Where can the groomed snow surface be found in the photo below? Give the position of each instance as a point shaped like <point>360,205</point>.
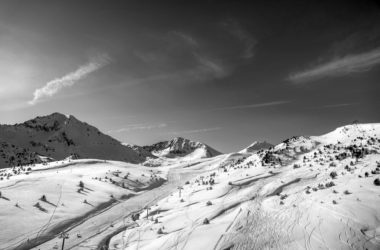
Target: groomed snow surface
<point>306,193</point>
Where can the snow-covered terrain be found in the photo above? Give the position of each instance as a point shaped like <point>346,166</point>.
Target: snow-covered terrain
<point>318,192</point>
<point>36,200</point>
<point>306,193</point>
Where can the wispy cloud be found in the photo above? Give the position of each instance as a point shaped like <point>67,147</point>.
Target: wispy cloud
<point>339,66</point>
<point>338,105</point>
<point>195,131</point>
<point>256,105</point>
<point>53,87</point>
<point>208,67</point>
<point>245,37</point>
<point>204,69</point>
<point>182,59</point>
<point>188,39</point>
<point>143,126</point>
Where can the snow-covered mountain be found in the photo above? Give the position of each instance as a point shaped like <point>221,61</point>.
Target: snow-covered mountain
<point>58,136</point>
<point>256,146</point>
<point>181,147</point>
<point>308,192</point>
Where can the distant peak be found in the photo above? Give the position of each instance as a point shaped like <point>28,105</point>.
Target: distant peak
<point>258,142</point>
<point>256,145</point>
<point>55,116</point>
<point>59,114</point>
<point>178,138</point>
<point>180,146</point>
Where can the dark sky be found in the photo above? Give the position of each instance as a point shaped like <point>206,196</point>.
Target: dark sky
<point>222,72</point>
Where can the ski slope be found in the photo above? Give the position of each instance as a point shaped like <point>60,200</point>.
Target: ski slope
<point>312,192</point>
<point>291,205</point>
<point>105,183</point>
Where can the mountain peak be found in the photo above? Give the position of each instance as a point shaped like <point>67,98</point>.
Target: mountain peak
<point>55,115</point>
<point>58,136</point>
<point>181,147</point>
<point>256,146</point>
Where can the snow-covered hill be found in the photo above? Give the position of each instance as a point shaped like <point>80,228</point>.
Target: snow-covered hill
<point>36,200</point>
<point>256,146</point>
<point>308,192</point>
<point>181,147</point>
<point>319,192</point>
<point>59,136</point>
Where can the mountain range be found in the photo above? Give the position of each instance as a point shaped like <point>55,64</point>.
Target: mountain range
<point>58,136</point>
<point>307,192</point>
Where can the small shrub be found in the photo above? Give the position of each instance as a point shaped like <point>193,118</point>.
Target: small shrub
<point>206,221</point>
<point>283,197</point>
<point>159,231</point>
<point>376,182</point>
<point>334,202</point>
<point>333,174</point>
<point>209,203</point>
<point>347,192</point>
<point>366,174</point>
<point>81,184</point>
<point>330,184</point>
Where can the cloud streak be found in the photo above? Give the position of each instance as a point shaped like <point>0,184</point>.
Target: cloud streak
<point>188,39</point>
<point>53,87</point>
<point>256,105</point>
<point>195,131</point>
<point>338,105</point>
<point>246,38</point>
<point>133,127</point>
<point>339,67</point>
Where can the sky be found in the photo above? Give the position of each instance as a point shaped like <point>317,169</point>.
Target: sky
<point>226,73</point>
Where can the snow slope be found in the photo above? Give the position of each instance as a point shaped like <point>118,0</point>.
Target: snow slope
<point>306,193</point>
<point>314,192</point>
<point>24,214</point>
